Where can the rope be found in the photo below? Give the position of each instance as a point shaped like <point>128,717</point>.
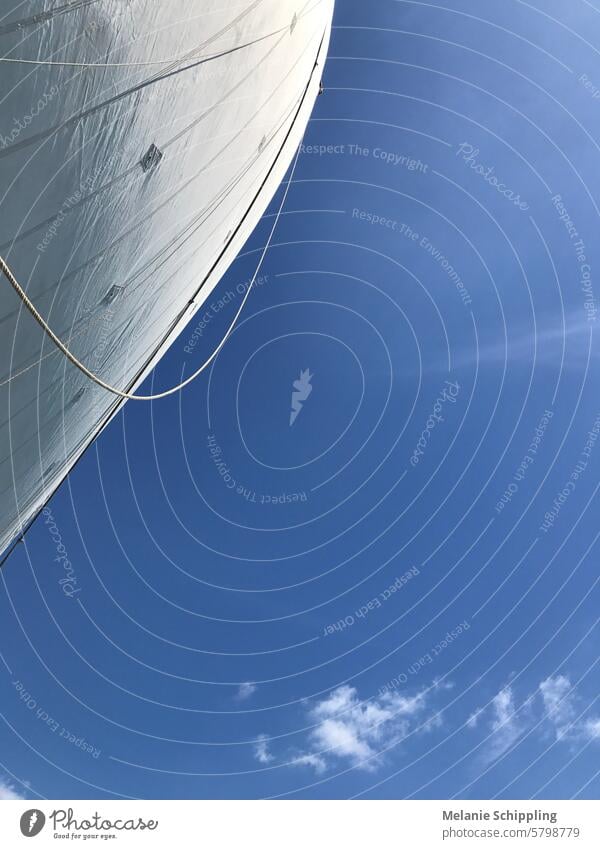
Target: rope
<point>5,269</point>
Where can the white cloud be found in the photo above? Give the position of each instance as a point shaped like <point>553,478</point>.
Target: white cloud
<point>438,684</point>
<point>261,750</point>
<point>473,720</point>
<point>245,691</point>
<point>559,704</point>
<point>354,731</point>
<point>8,792</point>
<point>318,763</point>
<point>561,708</point>
<point>351,732</point>
<point>432,722</point>
<point>592,728</point>
<point>504,727</point>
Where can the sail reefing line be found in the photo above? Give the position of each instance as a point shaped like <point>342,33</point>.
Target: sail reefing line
<point>8,274</point>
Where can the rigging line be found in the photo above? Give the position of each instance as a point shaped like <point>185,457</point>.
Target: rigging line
<point>91,315</point>
<point>5,269</point>
<point>9,379</point>
<point>127,395</point>
<point>175,322</point>
<point>200,218</point>
<point>208,211</point>
<point>108,417</point>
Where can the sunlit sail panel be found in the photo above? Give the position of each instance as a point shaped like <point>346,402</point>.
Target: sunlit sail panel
<point>140,143</point>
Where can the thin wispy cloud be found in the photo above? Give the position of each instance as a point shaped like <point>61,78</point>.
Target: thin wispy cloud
<point>505,725</point>
<point>245,691</point>
<point>546,341</point>
<point>261,750</point>
<point>502,722</point>
<point>318,763</point>
<point>473,720</point>
<point>559,704</point>
<point>554,707</point>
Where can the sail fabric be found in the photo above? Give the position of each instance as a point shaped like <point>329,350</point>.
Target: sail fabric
<point>140,143</point>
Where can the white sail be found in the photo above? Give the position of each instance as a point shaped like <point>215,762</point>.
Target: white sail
<point>140,143</point>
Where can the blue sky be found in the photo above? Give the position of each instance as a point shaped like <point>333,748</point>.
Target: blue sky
<point>395,596</point>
